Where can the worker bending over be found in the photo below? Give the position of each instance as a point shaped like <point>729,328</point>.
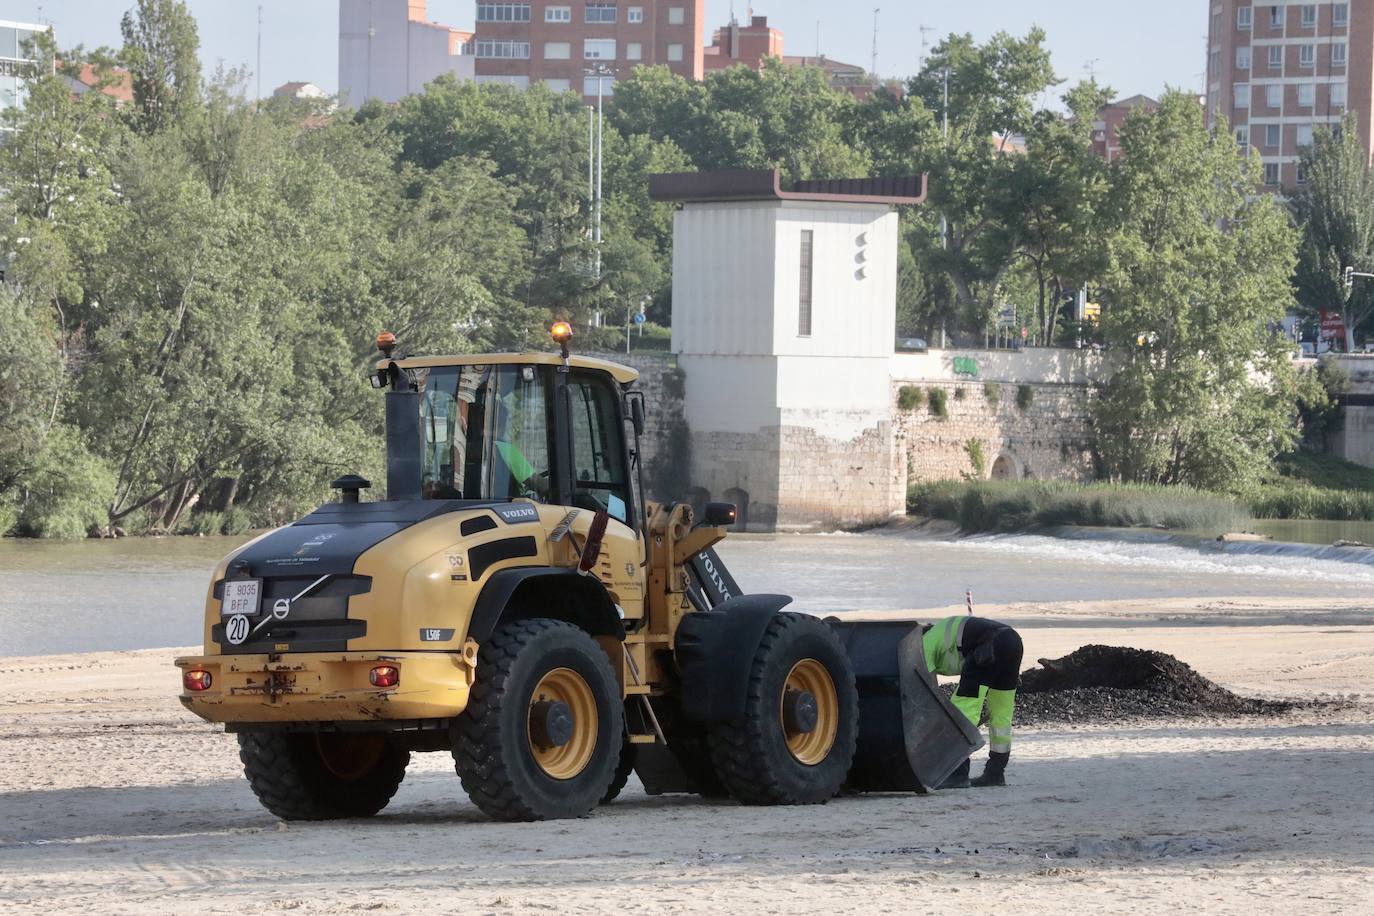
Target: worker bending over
<point>986,655</point>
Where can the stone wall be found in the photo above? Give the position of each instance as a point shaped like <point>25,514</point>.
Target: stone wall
<point>666,441</point>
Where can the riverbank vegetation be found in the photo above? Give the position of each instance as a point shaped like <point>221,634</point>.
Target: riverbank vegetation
<point>193,279</point>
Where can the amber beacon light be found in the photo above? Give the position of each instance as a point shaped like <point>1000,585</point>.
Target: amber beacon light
<point>562,335</point>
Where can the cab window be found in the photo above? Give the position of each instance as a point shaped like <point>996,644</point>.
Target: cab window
<point>600,480</point>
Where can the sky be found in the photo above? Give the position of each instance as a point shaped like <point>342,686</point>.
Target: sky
<point>1132,48</point>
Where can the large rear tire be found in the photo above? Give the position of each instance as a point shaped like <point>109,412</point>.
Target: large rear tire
<point>795,743</point>
<point>542,732</point>
<point>325,776</point>
<point>625,765</point>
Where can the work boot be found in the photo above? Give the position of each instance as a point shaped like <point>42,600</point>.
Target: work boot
<point>994,774</point>
<point>956,780</point>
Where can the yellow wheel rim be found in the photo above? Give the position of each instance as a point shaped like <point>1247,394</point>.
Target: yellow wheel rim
<point>564,761</point>
<point>810,676</point>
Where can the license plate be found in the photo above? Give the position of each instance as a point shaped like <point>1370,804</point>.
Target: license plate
<point>240,597</point>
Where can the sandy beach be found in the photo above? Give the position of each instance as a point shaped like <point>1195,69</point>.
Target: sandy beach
<point>115,800</point>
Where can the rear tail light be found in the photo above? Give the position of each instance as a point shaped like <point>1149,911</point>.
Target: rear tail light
<point>384,676</point>
<point>196,679</point>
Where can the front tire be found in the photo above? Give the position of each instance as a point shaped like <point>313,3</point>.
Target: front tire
<point>795,743</point>
<point>542,732</point>
<point>324,776</point>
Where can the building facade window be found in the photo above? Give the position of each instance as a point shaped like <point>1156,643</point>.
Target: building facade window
<point>1301,173</point>
<point>1304,135</point>
<point>519,82</point>
<point>503,12</point>
<point>558,85</point>
<point>1242,136</point>
<point>599,49</point>
<point>1273,136</point>
<point>1271,174</point>
<point>675,52</point>
<point>502,48</point>
<point>676,15</point>
<point>1241,93</point>
<point>1307,56</point>
<point>1337,94</point>
<point>1243,19</point>
<point>1307,95</point>
<point>1276,57</point>
<point>1309,15</point>
<point>634,51</point>
<point>1340,14</point>
<point>1243,58</point>
<point>557,50</point>
<point>1275,17</point>
<point>558,14</point>
<point>606,83</point>
<point>1273,96</point>
<point>600,12</point>
<point>804,285</point>
<point>634,14</point>
<point>1338,54</point>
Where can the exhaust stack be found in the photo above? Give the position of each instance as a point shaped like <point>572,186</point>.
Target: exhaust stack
<point>404,441</point>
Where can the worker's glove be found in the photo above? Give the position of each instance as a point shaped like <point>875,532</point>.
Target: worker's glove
<point>983,656</point>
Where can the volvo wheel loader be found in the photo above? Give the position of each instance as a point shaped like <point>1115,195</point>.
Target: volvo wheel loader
<point>515,601</point>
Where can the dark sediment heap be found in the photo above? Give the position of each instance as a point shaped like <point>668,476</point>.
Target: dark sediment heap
<point>1111,683</point>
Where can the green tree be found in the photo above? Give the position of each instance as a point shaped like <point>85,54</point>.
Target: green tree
<point>1200,273</point>
<point>161,51</point>
<point>1335,210</point>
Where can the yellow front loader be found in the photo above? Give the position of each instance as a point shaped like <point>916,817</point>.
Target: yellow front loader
<point>516,602</point>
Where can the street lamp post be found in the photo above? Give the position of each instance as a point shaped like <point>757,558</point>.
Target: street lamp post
<point>600,71</point>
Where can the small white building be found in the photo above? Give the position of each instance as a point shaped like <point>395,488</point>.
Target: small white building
<point>784,306</point>
<point>388,50</point>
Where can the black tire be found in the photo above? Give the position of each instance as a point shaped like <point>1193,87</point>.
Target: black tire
<point>493,749</point>
<point>319,777</point>
<point>623,768</point>
<point>752,756</point>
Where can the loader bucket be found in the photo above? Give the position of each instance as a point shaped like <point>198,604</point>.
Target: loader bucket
<point>910,736</point>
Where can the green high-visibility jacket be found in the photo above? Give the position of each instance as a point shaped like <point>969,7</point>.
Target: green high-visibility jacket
<point>941,644</point>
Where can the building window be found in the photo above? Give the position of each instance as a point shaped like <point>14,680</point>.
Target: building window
<point>676,15</point>
<point>519,82</point>
<point>1275,17</point>
<point>1271,174</point>
<point>634,14</point>
<point>558,14</point>
<point>1276,57</point>
<point>1302,173</point>
<point>674,52</point>
<point>494,47</point>
<point>804,287</point>
<point>1273,96</point>
<point>1309,15</point>
<point>559,85</point>
<point>557,50</point>
<point>1307,56</point>
<point>599,49</point>
<point>1214,62</point>
<point>1337,91</point>
<point>503,12</point>
<point>1304,135</point>
<point>1243,18</point>
<point>600,12</point>
<point>1243,58</point>
<point>1338,54</point>
<point>634,51</point>
<point>1307,95</point>
<point>1241,91</point>
<point>1340,14</point>
<point>1273,136</point>
<point>607,84</point>
<point>1242,136</point>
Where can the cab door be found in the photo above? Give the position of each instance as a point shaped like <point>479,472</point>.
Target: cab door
<point>601,482</point>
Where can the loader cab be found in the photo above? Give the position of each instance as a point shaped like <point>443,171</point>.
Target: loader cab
<point>509,426</point>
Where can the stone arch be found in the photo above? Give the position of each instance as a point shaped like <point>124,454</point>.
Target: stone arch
<point>741,500</point>
<point>1005,468</point>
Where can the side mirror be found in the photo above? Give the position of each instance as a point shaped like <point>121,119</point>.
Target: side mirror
<point>635,401</point>
<point>719,515</point>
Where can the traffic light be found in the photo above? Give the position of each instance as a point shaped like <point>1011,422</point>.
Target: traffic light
<point>1349,278</point>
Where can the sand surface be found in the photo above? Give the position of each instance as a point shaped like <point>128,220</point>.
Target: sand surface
<point>115,800</point>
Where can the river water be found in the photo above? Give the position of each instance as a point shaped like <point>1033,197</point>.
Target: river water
<point>149,592</point>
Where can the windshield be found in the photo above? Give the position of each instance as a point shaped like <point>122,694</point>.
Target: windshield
<point>486,432</point>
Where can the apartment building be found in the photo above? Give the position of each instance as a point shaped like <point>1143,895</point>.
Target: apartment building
<point>748,44</point>
<point>1278,71</point>
<point>388,49</point>
<point>556,43</point>
<point>13,35</point>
